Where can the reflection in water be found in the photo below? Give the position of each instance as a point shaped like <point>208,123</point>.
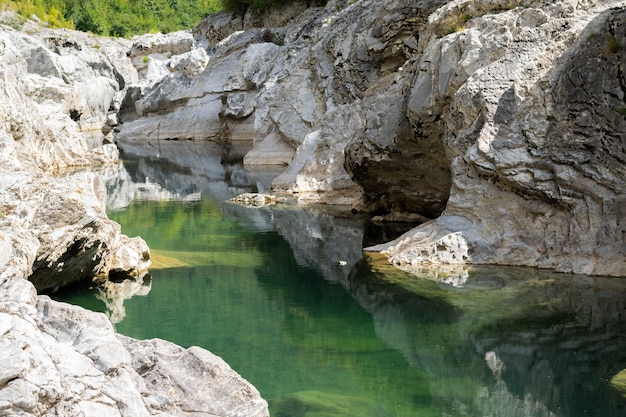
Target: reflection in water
<point>285,296</point>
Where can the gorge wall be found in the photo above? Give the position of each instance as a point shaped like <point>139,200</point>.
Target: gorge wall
<point>501,121</point>
<point>57,90</point>
<point>501,124</point>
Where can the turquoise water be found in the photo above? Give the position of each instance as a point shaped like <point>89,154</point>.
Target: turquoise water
<point>286,297</point>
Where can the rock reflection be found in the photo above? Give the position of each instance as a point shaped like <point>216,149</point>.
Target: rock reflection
<point>113,295</point>
<point>544,344</point>
<point>324,239</point>
<point>492,341</point>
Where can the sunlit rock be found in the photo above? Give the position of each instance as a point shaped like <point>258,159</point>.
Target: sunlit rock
<point>256,199</point>
<point>619,382</point>
<point>472,110</point>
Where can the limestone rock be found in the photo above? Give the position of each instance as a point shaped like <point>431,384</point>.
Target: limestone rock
<point>535,172</point>
<point>474,113</point>
<point>65,360</point>
<point>256,199</point>
<point>60,359</point>
<point>191,381</point>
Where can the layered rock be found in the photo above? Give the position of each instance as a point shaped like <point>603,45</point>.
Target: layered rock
<point>536,138</point>
<point>59,359</point>
<point>42,138</point>
<point>481,114</point>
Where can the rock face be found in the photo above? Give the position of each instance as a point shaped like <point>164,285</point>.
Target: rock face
<point>537,141</point>
<point>503,121</point>
<point>62,360</point>
<point>52,93</point>
<point>59,359</point>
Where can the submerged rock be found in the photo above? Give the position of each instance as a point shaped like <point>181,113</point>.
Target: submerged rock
<point>619,382</point>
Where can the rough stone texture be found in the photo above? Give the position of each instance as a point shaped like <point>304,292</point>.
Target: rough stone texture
<point>57,359</point>
<point>41,140</point>
<point>501,120</point>
<point>537,139</point>
<point>63,360</point>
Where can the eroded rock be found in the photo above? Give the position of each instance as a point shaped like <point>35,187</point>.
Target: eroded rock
<point>60,359</point>
<point>479,111</point>
<point>535,173</point>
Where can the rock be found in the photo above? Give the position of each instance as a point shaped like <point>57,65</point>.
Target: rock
<point>473,113</point>
<point>191,381</point>
<point>619,382</point>
<point>257,200</point>
<point>61,359</point>
<point>65,360</point>
<point>532,184</point>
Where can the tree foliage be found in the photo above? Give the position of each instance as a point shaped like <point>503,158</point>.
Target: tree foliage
<point>126,18</point>
<point>117,17</point>
<point>259,6</point>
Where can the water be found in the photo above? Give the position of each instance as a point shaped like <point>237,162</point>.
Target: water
<point>285,296</point>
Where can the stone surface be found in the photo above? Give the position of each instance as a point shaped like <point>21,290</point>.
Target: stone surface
<point>537,145</point>
<point>57,359</point>
<point>479,114</point>
<point>65,360</point>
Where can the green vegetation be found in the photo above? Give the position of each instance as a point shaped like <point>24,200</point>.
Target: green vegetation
<point>259,6</point>
<point>117,17</point>
<point>612,45</point>
<point>126,18</point>
<point>459,24</point>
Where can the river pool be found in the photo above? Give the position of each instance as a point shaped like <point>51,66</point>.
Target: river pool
<point>286,296</point>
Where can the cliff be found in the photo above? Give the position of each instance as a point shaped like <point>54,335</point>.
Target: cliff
<point>57,89</point>
<point>500,121</point>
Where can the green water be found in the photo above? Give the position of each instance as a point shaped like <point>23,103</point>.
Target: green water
<point>265,290</point>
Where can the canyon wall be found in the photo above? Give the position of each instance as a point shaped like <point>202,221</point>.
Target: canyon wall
<point>58,90</point>
<point>501,122</point>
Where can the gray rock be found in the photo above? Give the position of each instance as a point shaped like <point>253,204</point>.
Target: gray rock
<point>534,174</point>
<point>60,359</point>
<point>473,113</point>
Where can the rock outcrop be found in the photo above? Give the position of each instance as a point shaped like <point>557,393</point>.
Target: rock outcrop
<point>503,121</point>
<point>536,138</point>
<point>52,95</point>
<point>56,87</point>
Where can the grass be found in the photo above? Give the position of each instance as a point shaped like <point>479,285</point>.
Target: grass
<point>612,45</point>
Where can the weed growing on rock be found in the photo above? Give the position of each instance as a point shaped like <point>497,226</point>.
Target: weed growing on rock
<point>612,45</point>
<point>274,37</point>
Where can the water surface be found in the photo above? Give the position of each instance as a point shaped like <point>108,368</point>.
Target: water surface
<point>286,297</point>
